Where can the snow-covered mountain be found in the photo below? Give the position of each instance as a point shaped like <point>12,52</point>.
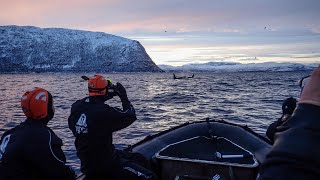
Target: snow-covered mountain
<point>238,67</point>
<point>26,48</point>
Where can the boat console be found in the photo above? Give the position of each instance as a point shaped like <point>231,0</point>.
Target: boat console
<point>206,158</point>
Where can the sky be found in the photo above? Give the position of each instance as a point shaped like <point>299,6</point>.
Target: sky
<point>178,32</point>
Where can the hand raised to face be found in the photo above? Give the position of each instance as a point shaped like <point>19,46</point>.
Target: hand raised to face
<point>311,91</point>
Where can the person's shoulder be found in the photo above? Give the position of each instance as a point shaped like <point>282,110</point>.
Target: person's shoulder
<point>80,102</point>
<point>99,108</point>
<point>54,136</point>
<point>31,132</point>
<point>37,128</point>
<point>6,133</point>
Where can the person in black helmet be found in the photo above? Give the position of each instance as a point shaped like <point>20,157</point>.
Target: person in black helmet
<point>93,122</point>
<point>288,107</point>
<point>31,150</point>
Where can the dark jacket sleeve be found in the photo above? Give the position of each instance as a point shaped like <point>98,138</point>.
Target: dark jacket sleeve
<point>2,137</point>
<point>272,129</point>
<point>47,154</point>
<point>295,154</point>
<point>123,118</point>
<point>6,133</point>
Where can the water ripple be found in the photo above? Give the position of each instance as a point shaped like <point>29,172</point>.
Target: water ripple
<point>161,102</point>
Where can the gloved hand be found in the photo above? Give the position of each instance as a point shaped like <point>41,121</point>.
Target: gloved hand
<point>121,91</point>
<point>311,92</point>
<point>111,91</point>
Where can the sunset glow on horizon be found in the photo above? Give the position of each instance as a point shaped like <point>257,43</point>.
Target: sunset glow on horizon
<point>178,32</point>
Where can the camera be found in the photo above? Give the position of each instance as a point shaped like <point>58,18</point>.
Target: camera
<point>111,90</point>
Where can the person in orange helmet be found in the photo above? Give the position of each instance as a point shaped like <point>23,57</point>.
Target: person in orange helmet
<point>31,150</point>
<point>92,122</point>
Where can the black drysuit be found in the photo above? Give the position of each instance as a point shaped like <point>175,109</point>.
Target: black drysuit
<point>92,123</point>
<point>32,150</point>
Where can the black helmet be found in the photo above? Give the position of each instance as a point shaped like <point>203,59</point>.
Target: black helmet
<point>289,105</point>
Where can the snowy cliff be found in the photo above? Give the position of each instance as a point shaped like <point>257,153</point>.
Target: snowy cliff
<point>27,49</point>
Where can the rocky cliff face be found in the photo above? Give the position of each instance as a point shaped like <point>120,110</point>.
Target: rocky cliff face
<point>25,49</point>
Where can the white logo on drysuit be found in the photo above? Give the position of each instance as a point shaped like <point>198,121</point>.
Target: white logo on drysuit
<point>81,125</point>
<point>216,177</point>
<point>4,144</point>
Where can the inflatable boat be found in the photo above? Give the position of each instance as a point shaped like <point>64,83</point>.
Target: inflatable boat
<point>204,150</point>
<point>207,149</point>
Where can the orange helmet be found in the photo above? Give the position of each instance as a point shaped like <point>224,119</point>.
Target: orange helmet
<point>97,86</point>
<point>37,104</point>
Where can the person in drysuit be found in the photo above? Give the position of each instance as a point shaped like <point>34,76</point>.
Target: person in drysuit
<point>31,150</point>
<point>92,122</point>
<point>288,106</point>
<point>295,153</point>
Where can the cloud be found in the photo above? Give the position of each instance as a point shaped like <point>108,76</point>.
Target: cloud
<point>50,13</point>
<point>182,30</point>
<point>153,15</point>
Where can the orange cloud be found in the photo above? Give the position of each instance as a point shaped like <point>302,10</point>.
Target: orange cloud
<point>153,24</point>
<point>36,12</point>
<point>175,16</point>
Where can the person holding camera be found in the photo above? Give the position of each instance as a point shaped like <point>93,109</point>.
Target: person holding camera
<point>295,152</point>
<point>288,107</point>
<point>92,122</point>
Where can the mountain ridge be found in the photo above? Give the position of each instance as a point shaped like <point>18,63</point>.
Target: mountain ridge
<point>33,49</point>
<point>238,67</point>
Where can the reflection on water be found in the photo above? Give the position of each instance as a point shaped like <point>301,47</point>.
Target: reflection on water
<point>161,102</point>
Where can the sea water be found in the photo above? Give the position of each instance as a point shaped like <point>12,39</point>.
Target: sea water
<point>161,102</point>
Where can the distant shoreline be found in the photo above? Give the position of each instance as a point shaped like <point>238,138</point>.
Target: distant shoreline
<point>169,72</point>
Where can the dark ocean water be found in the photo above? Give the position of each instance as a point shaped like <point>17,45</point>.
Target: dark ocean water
<point>252,98</point>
